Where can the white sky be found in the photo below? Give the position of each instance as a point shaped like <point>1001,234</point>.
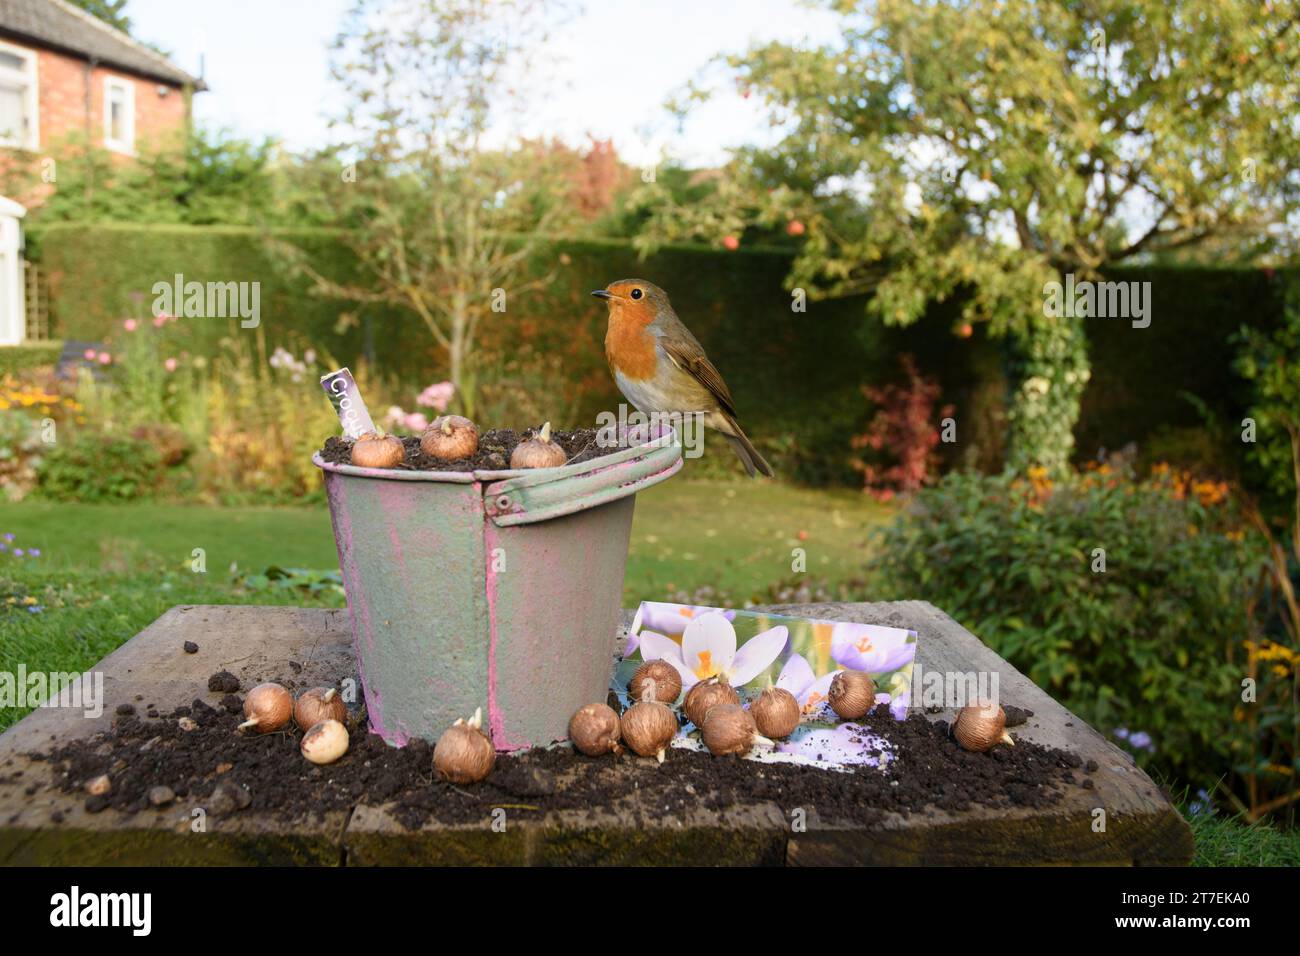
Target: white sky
<point>618,61</point>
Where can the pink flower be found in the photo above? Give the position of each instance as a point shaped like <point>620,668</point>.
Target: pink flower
<point>104,358</point>
<point>170,364</point>
<point>130,325</point>
<point>89,355</point>
<point>437,396</point>
<point>396,417</point>
<point>159,321</point>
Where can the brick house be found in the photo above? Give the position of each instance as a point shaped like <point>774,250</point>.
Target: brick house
<point>65,74</point>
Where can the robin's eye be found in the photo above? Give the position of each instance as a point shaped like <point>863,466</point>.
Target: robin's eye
<point>636,293</point>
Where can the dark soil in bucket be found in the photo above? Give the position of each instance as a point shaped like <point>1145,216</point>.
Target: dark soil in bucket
<point>155,761</point>
<point>494,450</point>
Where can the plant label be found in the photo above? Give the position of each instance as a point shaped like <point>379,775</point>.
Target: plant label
<point>344,395</point>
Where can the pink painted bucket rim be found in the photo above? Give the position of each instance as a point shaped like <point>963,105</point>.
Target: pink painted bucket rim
<point>661,436</point>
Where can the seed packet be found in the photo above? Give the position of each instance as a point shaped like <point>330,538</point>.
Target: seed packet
<point>754,649</point>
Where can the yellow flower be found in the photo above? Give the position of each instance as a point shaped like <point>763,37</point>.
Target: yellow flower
<point>1273,651</point>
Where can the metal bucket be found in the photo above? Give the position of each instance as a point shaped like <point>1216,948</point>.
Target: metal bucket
<point>491,589</point>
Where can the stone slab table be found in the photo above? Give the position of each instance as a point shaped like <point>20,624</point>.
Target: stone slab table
<point>258,643</point>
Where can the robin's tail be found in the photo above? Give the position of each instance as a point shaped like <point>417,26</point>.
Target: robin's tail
<point>744,449</point>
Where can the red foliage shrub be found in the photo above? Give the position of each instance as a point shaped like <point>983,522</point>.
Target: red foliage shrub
<point>902,435</point>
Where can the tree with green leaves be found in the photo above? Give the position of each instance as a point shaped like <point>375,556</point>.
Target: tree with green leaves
<point>444,213</point>
<point>981,149</point>
<point>194,177</point>
<point>112,12</point>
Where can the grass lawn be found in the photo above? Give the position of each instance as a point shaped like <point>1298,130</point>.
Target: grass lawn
<point>106,571</point>
<point>739,537</point>
<point>1227,841</point>
<point>735,536</point>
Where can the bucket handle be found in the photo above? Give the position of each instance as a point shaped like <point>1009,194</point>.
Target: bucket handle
<point>540,496</point>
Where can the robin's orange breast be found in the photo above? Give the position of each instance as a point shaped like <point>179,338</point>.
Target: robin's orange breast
<point>630,349</point>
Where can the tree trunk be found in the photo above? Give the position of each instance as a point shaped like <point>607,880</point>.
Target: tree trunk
<point>457,351</point>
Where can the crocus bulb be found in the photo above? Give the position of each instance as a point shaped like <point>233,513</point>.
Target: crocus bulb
<point>538,452</point>
<point>776,712</point>
<point>655,680</point>
<point>648,728</point>
<point>450,437</point>
<point>706,695</point>
<point>267,708</point>
<point>325,742</point>
<point>729,729</point>
<point>464,754</point>
<point>852,694</point>
<point>317,704</point>
<point>595,730</point>
<point>981,726</point>
<point>378,451</point>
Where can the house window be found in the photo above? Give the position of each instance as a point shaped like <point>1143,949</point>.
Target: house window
<point>119,115</point>
<point>18,121</point>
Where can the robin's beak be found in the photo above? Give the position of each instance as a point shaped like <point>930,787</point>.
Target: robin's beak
<point>603,294</point>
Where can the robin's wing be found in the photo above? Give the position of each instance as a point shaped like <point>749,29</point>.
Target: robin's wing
<point>688,355</point>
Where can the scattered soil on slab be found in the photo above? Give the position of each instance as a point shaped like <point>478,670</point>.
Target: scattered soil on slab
<point>1016,715</point>
<point>494,450</point>
<point>216,767</point>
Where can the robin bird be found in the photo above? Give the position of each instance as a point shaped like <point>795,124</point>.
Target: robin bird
<point>660,367</point>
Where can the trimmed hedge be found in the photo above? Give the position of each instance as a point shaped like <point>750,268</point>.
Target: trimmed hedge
<point>99,274</point>
<point>29,355</point>
<point>796,377</point>
<point>1140,377</point>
